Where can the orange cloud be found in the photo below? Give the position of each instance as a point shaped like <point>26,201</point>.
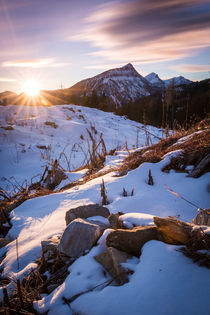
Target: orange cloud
<point>192,68</point>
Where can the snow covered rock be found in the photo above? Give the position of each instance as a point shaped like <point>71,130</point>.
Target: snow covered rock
<point>86,212</point>
<point>79,236</point>
<point>131,241</point>
<point>111,260</point>
<point>202,217</point>
<point>133,219</point>
<point>203,166</point>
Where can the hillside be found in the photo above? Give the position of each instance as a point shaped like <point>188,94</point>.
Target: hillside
<point>159,278</point>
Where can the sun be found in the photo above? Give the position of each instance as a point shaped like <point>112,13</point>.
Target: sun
<point>31,88</point>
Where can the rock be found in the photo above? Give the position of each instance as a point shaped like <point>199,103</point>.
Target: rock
<point>4,242</point>
<point>202,167</point>
<point>50,244</point>
<point>111,260</point>
<point>173,231</point>
<point>131,241</point>
<point>202,217</point>
<point>115,222</point>
<point>78,237</point>
<point>86,212</point>
<point>102,225</point>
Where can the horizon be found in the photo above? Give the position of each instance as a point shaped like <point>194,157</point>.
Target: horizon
<point>59,88</point>
<point>61,43</point>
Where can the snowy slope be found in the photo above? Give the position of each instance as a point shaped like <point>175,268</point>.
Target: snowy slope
<point>31,145</point>
<point>120,84</point>
<point>155,81</point>
<point>164,281</point>
<point>177,81</point>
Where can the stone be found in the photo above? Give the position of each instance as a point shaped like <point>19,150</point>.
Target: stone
<point>111,260</point>
<point>102,225</point>
<point>202,217</point>
<point>79,237</point>
<point>4,242</point>
<point>85,212</point>
<point>50,244</point>
<point>173,231</point>
<point>131,241</point>
<point>202,167</point>
<point>115,222</point>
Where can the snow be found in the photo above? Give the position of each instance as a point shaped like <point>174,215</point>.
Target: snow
<point>21,148</point>
<point>164,280</point>
<point>136,219</point>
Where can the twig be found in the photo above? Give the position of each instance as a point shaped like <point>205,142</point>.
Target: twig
<point>18,264</point>
<point>191,203</point>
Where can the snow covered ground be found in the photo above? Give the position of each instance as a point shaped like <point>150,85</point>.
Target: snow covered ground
<point>41,133</point>
<point>164,281</point>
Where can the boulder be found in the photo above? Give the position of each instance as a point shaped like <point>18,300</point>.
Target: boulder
<point>115,222</point>
<point>86,212</point>
<point>202,167</point>
<point>111,260</point>
<point>131,241</point>
<point>173,231</point>
<point>79,236</point>
<point>4,242</point>
<point>50,244</point>
<point>202,217</point>
<point>102,225</point>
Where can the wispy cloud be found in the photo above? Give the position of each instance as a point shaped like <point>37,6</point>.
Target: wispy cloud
<point>33,63</point>
<point>8,80</point>
<point>148,31</point>
<point>192,68</point>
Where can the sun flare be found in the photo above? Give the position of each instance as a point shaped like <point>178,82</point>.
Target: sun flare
<point>31,88</point>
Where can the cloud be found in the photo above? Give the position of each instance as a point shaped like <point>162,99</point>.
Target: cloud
<point>7,80</point>
<point>33,63</point>
<point>148,31</point>
<point>192,68</point>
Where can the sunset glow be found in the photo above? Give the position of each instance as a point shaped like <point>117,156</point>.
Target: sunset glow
<point>31,88</point>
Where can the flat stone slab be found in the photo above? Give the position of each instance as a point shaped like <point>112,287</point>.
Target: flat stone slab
<point>79,237</point>
<point>85,212</point>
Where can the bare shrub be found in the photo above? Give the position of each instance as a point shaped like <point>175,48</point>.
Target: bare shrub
<point>104,194</point>
<point>51,124</point>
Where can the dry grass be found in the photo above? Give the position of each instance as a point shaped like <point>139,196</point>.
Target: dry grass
<point>194,149</point>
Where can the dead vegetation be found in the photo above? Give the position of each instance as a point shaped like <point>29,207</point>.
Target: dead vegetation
<point>195,147</point>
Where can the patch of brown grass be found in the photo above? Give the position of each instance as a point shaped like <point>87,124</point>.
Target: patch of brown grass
<point>194,149</point>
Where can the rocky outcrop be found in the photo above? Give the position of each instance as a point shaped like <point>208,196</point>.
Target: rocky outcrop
<point>202,217</point>
<point>111,260</point>
<point>131,241</point>
<point>79,237</point>
<point>173,231</point>
<point>86,212</point>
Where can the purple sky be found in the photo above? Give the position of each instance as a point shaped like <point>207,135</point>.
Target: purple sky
<point>60,42</point>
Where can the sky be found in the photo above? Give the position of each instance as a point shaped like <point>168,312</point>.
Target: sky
<point>60,42</point>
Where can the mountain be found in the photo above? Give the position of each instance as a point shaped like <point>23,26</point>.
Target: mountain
<point>155,81</point>
<point>177,81</point>
<point>120,85</point>
<point>7,97</point>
